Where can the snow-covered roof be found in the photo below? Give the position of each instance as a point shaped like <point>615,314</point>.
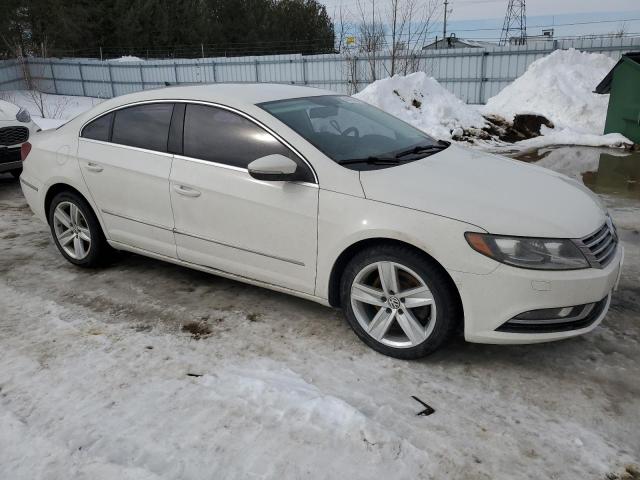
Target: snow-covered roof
<point>461,42</point>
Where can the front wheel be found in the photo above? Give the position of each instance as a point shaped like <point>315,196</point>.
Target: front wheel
<point>399,302</point>
<point>76,231</point>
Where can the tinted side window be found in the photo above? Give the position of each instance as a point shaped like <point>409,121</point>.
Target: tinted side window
<point>143,126</point>
<point>99,129</point>
<point>225,137</point>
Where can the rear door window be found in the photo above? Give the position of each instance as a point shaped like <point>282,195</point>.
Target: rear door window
<point>143,126</point>
<point>99,129</point>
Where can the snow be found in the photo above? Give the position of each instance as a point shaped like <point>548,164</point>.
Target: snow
<point>421,101</point>
<point>96,382</point>
<point>126,58</point>
<point>559,86</point>
<point>58,109</point>
<point>566,136</point>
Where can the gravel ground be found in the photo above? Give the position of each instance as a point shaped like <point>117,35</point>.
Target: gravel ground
<point>147,370</point>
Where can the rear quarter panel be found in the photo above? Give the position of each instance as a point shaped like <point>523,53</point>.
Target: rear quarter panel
<point>52,161</point>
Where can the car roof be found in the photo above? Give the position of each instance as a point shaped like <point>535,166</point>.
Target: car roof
<point>227,93</point>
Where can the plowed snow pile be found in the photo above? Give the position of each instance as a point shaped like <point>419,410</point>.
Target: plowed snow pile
<point>420,100</point>
<point>560,87</point>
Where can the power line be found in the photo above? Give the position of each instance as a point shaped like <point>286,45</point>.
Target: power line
<point>515,20</point>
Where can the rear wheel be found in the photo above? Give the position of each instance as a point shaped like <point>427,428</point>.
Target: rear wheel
<point>399,302</point>
<point>76,231</point>
<point>16,173</point>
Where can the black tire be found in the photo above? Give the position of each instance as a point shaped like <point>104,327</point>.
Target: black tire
<point>99,252</point>
<point>449,312</point>
<point>16,173</point>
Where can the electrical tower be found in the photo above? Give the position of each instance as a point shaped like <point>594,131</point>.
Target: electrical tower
<point>515,23</point>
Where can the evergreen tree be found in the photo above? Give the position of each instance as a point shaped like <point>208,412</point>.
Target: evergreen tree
<point>160,28</point>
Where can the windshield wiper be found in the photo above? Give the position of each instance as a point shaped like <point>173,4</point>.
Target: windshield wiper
<point>371,161</point>
<point>423,148</point>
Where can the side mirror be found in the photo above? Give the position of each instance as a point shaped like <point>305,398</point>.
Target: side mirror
<point>273,168</point>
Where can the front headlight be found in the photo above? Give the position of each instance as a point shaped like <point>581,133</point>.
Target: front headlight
<point>534,253</point>
<point>23,116</point>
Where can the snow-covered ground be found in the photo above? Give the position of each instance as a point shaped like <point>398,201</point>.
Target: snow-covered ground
<point>99,380</point>
<point>57,109</point>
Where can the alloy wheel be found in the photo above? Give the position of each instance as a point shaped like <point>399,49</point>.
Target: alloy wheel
<point>72,230</point>
<point>393,304</point>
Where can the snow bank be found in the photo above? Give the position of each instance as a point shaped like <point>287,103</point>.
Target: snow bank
<point>560,87</point>
<point>421,101</point>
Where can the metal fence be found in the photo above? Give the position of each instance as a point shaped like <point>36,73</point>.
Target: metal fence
<point>473,74</point>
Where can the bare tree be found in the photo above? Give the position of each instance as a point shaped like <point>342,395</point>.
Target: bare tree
<point>411,21</point>
<point>621,31</point>
<point>371,35</point>
<point>400,38</point>
<point>341,28</point>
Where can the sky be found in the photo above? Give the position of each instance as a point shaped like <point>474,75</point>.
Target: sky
<point>482,19</point>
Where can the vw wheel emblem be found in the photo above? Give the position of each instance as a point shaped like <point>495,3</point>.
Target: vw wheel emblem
<point>394,302</point>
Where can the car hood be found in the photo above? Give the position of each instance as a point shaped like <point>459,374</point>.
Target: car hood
<point>8,111</point>
<point>498,194</point>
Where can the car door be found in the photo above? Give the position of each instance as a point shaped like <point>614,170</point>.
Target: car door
<point>227,220</point>
<point>125,163</point>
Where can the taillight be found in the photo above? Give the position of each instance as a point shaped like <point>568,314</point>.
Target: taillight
<point>24,150</point>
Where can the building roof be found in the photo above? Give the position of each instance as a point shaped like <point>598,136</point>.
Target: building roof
<point>461,41</point>
<point>605,85</point>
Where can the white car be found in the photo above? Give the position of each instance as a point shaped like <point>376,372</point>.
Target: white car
<point>15,128</point>
<point>327,198</point>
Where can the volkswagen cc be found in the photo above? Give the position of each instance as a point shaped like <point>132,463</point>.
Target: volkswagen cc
<point>327,198</point>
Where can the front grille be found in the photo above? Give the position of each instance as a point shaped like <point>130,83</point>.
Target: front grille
<point>13,135</point>
<point>600,247</point>
<point>583,317</point>
<point>9,155</point>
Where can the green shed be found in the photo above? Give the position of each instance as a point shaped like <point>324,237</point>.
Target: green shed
<point>623,83</point>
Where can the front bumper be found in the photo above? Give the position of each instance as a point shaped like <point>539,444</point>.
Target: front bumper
<point>491,300</point>
<point>10,159</point>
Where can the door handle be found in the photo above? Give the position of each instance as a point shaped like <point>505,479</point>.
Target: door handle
<point>94,167</point>
<point>186,191</point>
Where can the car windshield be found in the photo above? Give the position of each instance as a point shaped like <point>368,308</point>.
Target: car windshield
<point>353,133</point>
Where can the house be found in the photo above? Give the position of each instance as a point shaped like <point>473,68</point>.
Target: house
<point>622,83</point>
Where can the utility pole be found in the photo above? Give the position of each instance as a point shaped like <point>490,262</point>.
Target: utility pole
<point>444,28</point>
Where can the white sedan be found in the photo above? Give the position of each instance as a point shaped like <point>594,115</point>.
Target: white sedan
<point>15,128</point>
<point>327,198</point>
